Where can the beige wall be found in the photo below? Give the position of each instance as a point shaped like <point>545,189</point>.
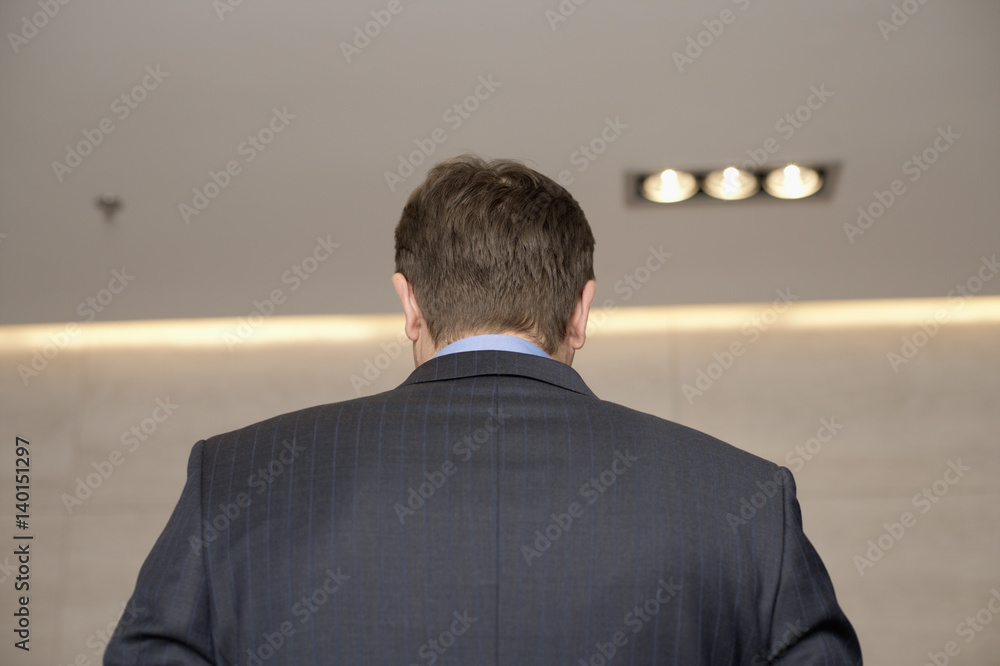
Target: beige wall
<point>894,432</point>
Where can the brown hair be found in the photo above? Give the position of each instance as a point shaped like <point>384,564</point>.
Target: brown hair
<point>490,247</point>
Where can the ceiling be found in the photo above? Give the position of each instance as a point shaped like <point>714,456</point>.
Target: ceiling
<point>279,69</point>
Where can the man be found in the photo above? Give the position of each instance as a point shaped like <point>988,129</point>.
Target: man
<point>491,509</point>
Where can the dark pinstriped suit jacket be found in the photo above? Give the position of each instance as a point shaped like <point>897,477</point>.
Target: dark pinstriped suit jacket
<point>490,510</point>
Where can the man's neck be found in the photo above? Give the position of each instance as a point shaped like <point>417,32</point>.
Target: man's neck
<point>494,341</point>
<point>507,341</point>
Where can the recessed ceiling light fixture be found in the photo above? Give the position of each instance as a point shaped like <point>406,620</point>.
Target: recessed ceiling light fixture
<point>793,182</point>
<point>669,186</point>
<point>730,184</point>
<point>672,185</point>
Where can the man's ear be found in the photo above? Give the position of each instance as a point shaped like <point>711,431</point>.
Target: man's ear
<point>576,330</point>
<point>414,318</point>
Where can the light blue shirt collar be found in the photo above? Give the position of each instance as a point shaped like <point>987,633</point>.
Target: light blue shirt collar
<point>491,342</point>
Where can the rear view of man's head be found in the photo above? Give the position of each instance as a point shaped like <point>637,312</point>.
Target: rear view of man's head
<point>493,247</point>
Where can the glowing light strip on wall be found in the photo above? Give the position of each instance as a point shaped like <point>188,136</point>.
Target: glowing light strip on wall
<point>345,329</point>
<point>801,315</point>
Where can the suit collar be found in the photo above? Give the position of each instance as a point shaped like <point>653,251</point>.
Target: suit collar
<point>495,362</point>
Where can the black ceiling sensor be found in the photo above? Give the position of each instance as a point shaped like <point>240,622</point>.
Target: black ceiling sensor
<point>109,204</point>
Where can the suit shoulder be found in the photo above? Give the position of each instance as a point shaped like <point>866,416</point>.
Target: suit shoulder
<point>289,424</point>
<point>690,443</point>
